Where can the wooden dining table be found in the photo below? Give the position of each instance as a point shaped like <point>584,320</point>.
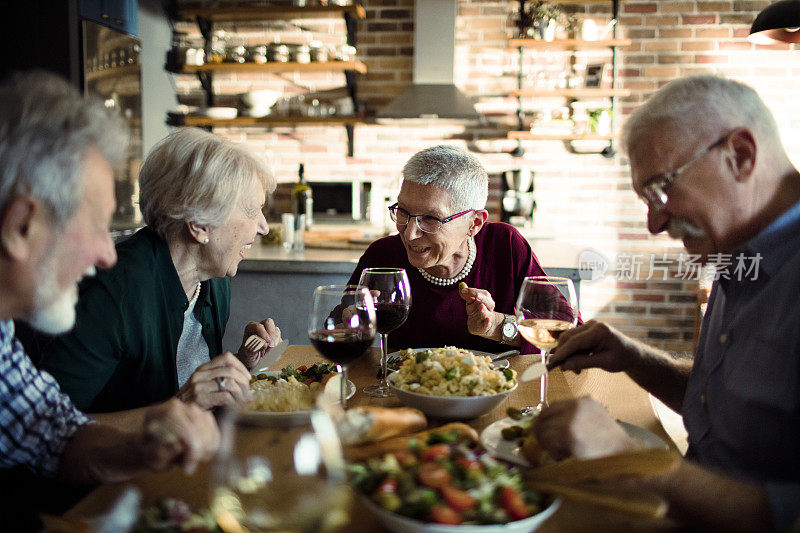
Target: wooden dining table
<point>619,394</point>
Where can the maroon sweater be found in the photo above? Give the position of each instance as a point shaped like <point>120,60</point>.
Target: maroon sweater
<point>438,315</point>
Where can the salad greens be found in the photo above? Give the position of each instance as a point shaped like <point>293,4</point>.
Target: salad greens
<point>308,374</point>
<point>446,480</point>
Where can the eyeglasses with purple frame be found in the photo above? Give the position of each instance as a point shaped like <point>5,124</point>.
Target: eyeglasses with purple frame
<point>426,223</point>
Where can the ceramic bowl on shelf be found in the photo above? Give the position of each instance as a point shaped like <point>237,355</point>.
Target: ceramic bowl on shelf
<point>220,112</point>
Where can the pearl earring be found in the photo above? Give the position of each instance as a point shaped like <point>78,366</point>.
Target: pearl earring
<point>205,241</point>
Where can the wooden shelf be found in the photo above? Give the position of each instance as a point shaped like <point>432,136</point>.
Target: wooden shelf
<point>239,14</point>
<point>566,44</point>
<point>570,93</point>
<point>326,66</point>
<point>269,121</point>
<point>530,136</point>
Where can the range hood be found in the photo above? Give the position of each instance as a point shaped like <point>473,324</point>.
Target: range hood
<point>433,94</point>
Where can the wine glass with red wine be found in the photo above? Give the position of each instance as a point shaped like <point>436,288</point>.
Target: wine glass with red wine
<point>341,325</point>
<point>392,294</point>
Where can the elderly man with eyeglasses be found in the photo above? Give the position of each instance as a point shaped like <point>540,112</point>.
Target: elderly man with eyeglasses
<point>707,159</point>
<point>444,239</point>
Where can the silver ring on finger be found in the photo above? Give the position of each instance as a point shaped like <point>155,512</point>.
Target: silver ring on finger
<point>220,383</point>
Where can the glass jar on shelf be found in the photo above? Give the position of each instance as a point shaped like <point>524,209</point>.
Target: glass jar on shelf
<point>219,41</point>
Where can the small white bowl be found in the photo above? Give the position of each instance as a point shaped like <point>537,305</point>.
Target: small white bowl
<point>402,524</point>
<point>220,112</point>
<point>450,407</point>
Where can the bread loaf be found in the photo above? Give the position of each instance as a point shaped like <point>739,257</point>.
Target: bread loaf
<point>371,424</point>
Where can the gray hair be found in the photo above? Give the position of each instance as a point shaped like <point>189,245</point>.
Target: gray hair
<point>704,105</point>
<point>453,169</point>
<point>46,129</point>
<point>195,176</point>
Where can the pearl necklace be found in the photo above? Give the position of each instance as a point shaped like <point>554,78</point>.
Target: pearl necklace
<point>443,282</point>
<point>195,296</point>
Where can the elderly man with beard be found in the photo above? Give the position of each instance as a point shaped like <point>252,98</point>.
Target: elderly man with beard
<point>707,159</point>
<point>56,203</point>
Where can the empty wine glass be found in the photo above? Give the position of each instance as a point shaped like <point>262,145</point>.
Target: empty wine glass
<point>277,478</point>
<point>392,294</point>
<point>341,325</point>
<point>546,307</point>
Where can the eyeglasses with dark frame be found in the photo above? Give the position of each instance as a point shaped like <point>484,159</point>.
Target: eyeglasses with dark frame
<point>654,193</point>
<point>426,223</point>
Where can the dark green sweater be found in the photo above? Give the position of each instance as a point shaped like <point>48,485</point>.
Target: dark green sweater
<point>121,354</point>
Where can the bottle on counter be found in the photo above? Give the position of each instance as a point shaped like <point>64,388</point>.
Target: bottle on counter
<point>302,199</point>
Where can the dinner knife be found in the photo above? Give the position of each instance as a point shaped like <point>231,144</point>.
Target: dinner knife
<point>271,357</point>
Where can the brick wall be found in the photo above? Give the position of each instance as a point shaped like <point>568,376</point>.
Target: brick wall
<point>585,200</point>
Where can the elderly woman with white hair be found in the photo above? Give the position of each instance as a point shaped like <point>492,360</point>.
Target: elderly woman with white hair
<point>444,239</point>
<point>151,327</point>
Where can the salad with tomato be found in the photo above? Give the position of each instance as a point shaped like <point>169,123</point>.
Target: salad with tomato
<point>447,481</point>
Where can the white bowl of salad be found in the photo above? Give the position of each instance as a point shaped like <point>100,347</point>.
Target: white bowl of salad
<point>451,383</point>
<point>449,487</point>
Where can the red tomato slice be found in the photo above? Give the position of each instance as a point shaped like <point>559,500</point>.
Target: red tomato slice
<point>437,451</point>
<point>387,485</point>
<point>433,475</point>
<point>441,514</point>
<point>405,458</point>
<point>458,499</point>
<point>468,464</point>
<point>511,501</point>
<point>302,368</point>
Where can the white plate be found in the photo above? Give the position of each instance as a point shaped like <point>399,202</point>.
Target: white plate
<point>493,441</point>
<point>502,363</point>
<point>672,422</point>
<point>283,418</point>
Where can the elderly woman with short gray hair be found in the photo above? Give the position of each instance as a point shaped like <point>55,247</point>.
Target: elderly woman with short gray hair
<point>151,327</point>
<point>444,238</point>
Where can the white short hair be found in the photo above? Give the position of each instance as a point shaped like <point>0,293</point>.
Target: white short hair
<point>46,131</point>
<point>453,169</point>
<point>704,105</point>
<point>195,176</point>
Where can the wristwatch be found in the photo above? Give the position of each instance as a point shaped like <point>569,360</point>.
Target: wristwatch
<point>509,329</point>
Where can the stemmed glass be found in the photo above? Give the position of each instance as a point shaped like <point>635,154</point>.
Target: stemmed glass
<point>341,326</point>
<point>546,307</point>
<point>278,478</point>
<point>392,293</point>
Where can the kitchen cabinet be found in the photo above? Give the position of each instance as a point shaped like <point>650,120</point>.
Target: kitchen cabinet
<point>569,94</point>
<point>207,17</point>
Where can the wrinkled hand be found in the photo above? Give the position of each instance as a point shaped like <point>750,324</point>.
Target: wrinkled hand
<point>350,311</point>
<point>178,433</point>
<point>481,317</point>
<point>267,330</point>
<point>582,428</point>
<point>594,344</point>
<point>203,387</point>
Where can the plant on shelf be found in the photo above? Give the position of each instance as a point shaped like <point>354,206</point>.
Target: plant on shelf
<point>538,20</point>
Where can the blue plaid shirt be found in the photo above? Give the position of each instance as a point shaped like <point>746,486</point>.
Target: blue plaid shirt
<point>37,420</point>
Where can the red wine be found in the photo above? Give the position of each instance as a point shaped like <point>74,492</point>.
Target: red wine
<point>341,347</point>
<point>390,316</point>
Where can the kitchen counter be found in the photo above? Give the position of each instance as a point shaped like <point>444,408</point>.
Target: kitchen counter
<point>276,283</point>
<point>342,259</point>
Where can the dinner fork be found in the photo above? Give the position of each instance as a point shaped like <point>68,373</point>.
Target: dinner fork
<point>255,344</point>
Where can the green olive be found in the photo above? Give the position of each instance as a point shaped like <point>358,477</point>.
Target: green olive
<point>514,413</point>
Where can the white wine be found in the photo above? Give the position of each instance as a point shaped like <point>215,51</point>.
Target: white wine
<point>543,332</point>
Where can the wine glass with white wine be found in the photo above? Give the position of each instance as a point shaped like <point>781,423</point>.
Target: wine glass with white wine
<point>546,307</point>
